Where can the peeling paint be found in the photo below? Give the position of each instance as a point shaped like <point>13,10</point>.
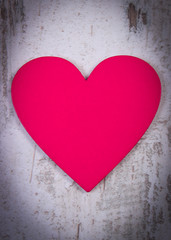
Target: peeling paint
<point>136,16</point>
<point>132,16</point>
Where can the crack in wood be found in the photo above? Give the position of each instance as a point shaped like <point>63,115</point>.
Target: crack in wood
<point>78,231</point>
<point>34,154</point>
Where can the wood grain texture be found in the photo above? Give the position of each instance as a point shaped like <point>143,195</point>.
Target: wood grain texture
<point>37,199</point>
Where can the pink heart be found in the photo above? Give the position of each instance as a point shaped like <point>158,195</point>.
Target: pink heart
<point>86,126</point>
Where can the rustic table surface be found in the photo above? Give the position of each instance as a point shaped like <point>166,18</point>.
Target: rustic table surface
<point>37,199</point>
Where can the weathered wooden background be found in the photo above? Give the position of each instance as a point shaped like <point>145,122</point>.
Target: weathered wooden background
<point>37,199</point>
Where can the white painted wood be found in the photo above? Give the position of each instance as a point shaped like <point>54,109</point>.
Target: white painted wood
<point>37,199</point>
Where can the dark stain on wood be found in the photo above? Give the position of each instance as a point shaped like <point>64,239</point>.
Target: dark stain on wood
<point>3,29</point>
<point>136,16</point>
<point>146,215</point>
<point>157,218</point>
<point>169,134</point>
<point>147,186</point>
<point>132,15</point>
<point>168,196</point>
<point>160,218</point>
<point>91,30</point>
<point>153,214</point>
<point>3,10</point>
<point>11,12</point>
<point>16,15</point>
<point>144,18</point>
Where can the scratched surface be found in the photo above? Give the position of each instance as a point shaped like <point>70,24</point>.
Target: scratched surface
<point>37,199</point>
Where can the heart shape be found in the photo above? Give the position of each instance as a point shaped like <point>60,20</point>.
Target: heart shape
<point>86,126</point>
